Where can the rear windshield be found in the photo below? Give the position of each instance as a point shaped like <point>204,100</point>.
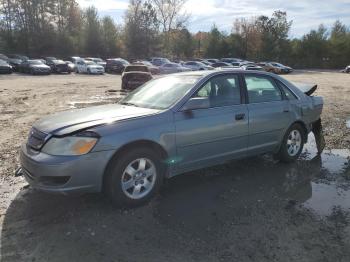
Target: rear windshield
<point>136,68</point>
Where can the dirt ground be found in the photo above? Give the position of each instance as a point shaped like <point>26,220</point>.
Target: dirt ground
<point>251,210</point>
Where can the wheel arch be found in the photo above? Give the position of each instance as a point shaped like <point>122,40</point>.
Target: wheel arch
<point>135,144</point>
<point>304,127</point>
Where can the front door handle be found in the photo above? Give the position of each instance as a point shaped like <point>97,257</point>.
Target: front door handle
<point>240,117</point>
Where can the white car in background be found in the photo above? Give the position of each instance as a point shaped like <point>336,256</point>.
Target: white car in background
<point>89,67</point>
<point>170,68</point>
<point>97,60</point>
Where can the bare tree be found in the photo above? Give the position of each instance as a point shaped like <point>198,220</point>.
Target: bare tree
<point>169,13</point>
<point>249,35</point>
<point>171,16</point>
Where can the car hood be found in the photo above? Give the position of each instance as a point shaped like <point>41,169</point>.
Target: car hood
<point>78,119</point>
<point>15,60</point>
<point>95,66</point>
<point>59,63</point>
<point>40,66</point>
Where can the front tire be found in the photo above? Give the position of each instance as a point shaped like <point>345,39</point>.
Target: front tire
<point>135,177</point>
<point>292,144</point>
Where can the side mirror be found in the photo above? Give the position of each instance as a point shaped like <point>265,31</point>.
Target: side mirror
<point>196,103</point>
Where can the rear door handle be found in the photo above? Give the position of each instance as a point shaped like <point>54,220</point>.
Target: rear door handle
<point>240,117</point>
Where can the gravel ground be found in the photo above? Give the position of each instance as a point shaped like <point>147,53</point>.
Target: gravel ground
<point>254,210</point>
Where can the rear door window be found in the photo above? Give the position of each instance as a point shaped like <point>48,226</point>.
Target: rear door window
<point>262,89</point>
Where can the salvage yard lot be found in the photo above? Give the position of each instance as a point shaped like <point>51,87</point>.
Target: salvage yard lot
<point>261,212</point>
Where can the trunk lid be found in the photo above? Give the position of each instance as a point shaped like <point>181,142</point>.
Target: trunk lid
<point>307,89</point>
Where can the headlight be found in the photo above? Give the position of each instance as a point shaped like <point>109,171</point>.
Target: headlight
<point>71,145</point>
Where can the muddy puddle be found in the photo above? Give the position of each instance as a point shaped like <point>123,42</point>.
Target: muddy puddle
<point>248,188</point>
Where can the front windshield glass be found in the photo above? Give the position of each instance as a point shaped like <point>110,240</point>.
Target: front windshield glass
<point>161,93</point>
<point>35,62</point>
<point>58,61</point>
<point>277,64</point>
<point>90,62</point>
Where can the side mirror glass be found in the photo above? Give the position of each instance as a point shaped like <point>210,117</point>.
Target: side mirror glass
<point>196,103</point>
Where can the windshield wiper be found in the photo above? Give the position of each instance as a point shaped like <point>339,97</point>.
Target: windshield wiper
<point>128,104</point>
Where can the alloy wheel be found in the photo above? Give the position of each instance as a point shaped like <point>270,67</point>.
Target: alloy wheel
<point>138,178</point>
<point>294,142</point>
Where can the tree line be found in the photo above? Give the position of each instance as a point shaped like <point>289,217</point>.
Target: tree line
<point>159,28</point>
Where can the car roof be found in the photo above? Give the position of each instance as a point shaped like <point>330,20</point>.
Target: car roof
<point>206,73</point>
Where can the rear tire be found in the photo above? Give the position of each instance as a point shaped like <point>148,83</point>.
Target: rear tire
<point>292,144</point>
<point>134,178</point>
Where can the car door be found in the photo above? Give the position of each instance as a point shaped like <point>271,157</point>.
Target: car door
<point>269,113</point>
<point>212,135</point>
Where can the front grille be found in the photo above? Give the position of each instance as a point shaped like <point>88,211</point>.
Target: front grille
<point>36,139</point>
<point>62,67</point>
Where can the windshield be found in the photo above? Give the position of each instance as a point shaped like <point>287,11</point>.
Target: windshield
<point>89,62</point>
<point>161,93</point>
<point>97,60</point>
<point>147,63</point>
<point>124,62</point>
<point>277,64</point>
<point>2,62</point>
<point>58,61</point>
<point>35,62</point>
<point>136,68</point>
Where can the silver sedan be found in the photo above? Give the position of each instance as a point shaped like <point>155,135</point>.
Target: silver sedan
<point>171,125</point>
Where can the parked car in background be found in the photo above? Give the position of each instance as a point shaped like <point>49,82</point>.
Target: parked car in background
<point>178,61</point>
<point>15,60</point>
<point>153,69</point>
<point>74,59</point>
<point>170,68</point>
<point>5,67</point>
<point>230,60</point>
<point>170,126</point>
<point>212,60</point>
<point>4,58</point>
<point>57,66</point>
<point>116,65</point>
<point>221,64</point>
<point>159,61</point>
<point>89,67</point>
<point>251,66</point>
<point>346,70</point>
<point>71,66</point>
<point>98,61</point>
<point>195,66</point>
<point>276,68</point>
<point>135,76</point>
<point>34,67</point>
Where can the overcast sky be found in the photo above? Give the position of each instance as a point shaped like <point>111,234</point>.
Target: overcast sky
<point>306,14</point>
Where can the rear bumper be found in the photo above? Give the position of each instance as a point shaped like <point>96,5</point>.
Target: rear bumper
<point>64,174</point>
